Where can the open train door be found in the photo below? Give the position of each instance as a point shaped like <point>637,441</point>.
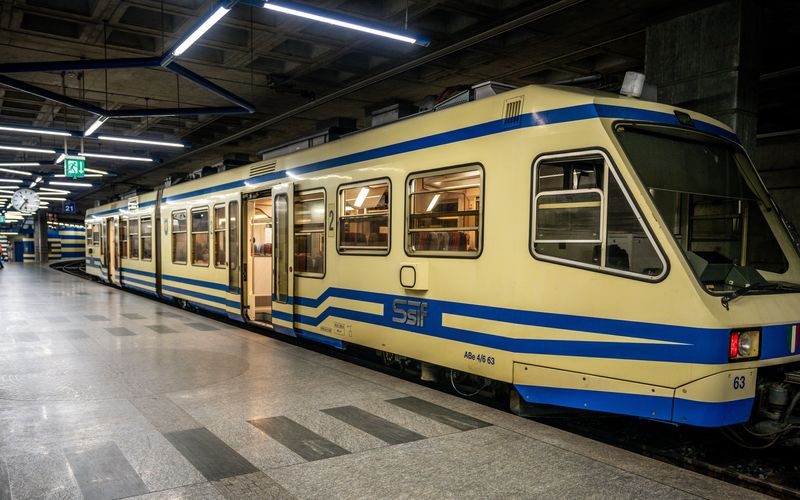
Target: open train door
<point>283,259</point>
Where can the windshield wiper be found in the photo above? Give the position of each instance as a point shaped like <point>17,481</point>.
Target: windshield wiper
<point>765,286</point>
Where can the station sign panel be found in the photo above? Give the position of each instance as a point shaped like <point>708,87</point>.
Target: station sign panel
<point>69,207</point>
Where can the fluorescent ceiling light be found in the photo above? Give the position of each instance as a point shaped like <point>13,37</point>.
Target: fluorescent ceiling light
<point>318,16</point>
<point>362,195</point>
<point>434,201</point>
<point>60,191</point>
<point>87,175</point>
<point>60,158</point>
<point>12,171</point>
<point>27,149</point>
<point>200,30</point>
<point>115,157</point>
<point>34,130</point>
<point>73,184</point>
<point>3,191</point>
<point>135,140</point>
<point>52,199</point>
<point>94,171</point>
<point>12,181</point>
<point>96,125</point>
<point>20,164</point>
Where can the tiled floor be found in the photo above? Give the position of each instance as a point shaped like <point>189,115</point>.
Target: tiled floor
<point>105,394</point>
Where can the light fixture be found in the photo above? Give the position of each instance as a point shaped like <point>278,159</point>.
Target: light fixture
<point>200,30</point>
<point>12,171</point>
<point>362,195</point>
<point>3,191</point>
<point>34,130</point>
<point>73,184</point>
<point>328,18</point>
<point>96,125</point>
<point>94,171</point>
<point>86,175</point>
<point>20,164</point>
<point>60,158</point>
<point>27,149</point>
<point>12,181</point>
<point>115,157</point>
<point>135,140</point>
<point>433,203</point>
<point>51,190</point>
<point>52,199</point>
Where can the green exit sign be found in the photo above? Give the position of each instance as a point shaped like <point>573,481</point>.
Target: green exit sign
<point>74,166</point>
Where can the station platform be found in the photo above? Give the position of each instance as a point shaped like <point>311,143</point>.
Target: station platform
<point>105,394</point>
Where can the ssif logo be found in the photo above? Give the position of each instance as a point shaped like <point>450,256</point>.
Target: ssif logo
<point>409,312</point>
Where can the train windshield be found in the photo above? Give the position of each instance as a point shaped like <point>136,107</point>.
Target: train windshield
<point>708,194</point>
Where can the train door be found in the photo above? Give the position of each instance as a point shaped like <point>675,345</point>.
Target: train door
<point>258,277</point>
<point>234,257</point>
<point>283,259</point>
<point>112,249</point>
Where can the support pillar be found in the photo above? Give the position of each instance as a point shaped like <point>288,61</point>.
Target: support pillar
<point>706,61</point>
<point>40,242</point>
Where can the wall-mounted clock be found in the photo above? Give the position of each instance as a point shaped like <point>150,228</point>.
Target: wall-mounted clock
<point>25,200</point>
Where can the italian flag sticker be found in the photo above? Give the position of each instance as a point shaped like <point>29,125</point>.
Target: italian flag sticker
<point>794,338</point>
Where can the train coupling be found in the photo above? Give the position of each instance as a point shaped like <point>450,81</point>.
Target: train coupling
<point>778,405</point>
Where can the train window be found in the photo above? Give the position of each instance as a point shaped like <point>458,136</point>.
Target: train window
<point>582,215</point>
<point>200,236</point>
<point>133,238</point>
<point>364,215</point>
<point>309,233</point>
<point>146,237</point>
<point>123,238</point>
<point>220,223</point>
<point>95,234</point>
<point>445,212</point>
<point>233,238</point>
<point>179,236</point>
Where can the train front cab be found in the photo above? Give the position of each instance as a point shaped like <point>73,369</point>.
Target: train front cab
<point>729,352</point>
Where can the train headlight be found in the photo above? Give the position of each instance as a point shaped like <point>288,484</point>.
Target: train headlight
<point>744,345</point>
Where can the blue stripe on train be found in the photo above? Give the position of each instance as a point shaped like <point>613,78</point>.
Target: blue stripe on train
<point>699,413</point>
<point>539,118</point>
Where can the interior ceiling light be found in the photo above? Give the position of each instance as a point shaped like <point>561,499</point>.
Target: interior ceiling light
<point>50,190</point>
<point>95,171</point>
<point>136,140</point>
<point>27,149</point>
<point>34,130</point>
<point>96,125</point>
<point>200,30</point>
<point>60,158</point>
<point>11,181</point>
<point>362,195</point>
<point>73,184</point>
<point>353,24</point>
<point>12,171</point>
<point>87,175</point>
<point>20,164</point>
<point>52,198</point>
<point>115,157</point>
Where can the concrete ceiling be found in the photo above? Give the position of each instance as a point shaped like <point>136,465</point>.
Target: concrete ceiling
<point>280,63</point>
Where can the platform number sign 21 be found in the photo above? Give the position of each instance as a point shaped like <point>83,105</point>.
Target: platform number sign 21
<point>74,167</point>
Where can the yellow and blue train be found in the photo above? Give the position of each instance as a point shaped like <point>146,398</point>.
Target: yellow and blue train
<point>589,250</point>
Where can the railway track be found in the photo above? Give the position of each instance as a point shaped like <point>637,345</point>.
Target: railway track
<point>773,471</point>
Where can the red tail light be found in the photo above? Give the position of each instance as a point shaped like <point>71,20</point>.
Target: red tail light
<point>733,352</point>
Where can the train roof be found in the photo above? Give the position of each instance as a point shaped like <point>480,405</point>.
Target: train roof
<point>540,101</point>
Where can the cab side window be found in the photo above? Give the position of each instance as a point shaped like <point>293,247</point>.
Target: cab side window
<point>582,216</point>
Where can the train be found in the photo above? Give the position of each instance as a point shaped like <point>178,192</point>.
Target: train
<point>579,249</point>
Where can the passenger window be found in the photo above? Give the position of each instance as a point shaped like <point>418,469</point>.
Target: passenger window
<point>123,239</point>
<point>582,215</point>
<point>220,223</point>
<point>200,236</point>
<point>133,238</point>
<point>364,215</point>
<point>309,233</point>
<point>179,237</point>
<point>147,238</point>
<point>445,212</point>
<point>96,235</point>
